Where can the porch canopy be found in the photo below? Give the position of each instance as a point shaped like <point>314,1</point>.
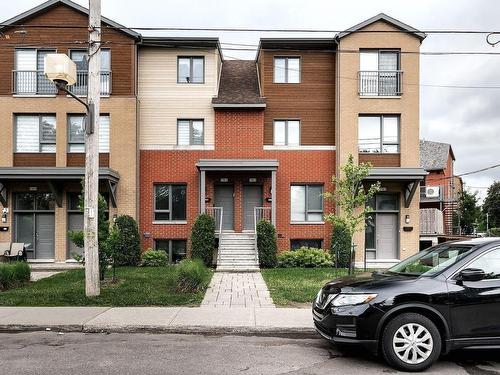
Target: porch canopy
<point>409,177</point>
<point>55,177</point>
<point>238,165</point>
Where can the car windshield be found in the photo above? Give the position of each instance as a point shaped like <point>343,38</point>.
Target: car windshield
<point>431,261</point>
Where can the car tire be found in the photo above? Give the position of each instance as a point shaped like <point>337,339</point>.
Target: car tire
<point>411,342</point>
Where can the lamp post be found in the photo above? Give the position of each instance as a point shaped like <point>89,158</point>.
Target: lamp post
<point>61,70</point>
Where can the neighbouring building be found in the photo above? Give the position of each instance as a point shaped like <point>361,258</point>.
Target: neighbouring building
<point>439,193</point>
<point>42,149</point>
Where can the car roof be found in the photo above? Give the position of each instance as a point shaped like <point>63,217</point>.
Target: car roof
<point>478,241</point>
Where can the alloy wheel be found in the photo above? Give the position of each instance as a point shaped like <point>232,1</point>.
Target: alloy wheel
<point>412,343</point>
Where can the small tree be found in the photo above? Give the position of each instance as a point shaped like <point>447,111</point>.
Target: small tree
<point>341,245</point>
<point>351,198</point>
<point>266,244</point>
<point>491,205</point>
<point>203,239</point>
<point>126,242</point>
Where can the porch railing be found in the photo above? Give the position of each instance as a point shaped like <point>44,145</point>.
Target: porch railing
<point>216,213</point>
<point>260,213</point>
<point>380,83</point>
<point>81,85</point>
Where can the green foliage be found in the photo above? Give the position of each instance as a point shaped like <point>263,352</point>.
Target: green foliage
<point>469,212</point>
<point>491,205</point>
<point>307,257</point>
<point>192,275</point>
<point>123,243</point>
<point>154,258</point>
<point>203,239</point>
<point>341,245</point>
<point>14,274</point>
<point>495,232</point>
<point>266,244</point>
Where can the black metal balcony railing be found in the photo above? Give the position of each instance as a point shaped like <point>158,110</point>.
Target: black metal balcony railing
<point>34,82</point>
<point>380,83</point>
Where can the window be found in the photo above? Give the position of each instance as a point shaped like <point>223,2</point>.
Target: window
<point>287,70</point>
<point>80,56</point>
<point>378,134</point>
<point>76,133</point>
<point>287,132</point>
<point>380,73</point>
<point>34,202</point>
<point>190,132</point>
<point>489,263</point>
<point>175,249</point>
<point>170,202</point>
<point>28,75</point>
<point>191,69</point>
<point>306,203</point>
<point>35,133</point>
<point>297,244</point>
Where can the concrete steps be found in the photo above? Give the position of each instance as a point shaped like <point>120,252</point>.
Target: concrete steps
<point>237,253</point>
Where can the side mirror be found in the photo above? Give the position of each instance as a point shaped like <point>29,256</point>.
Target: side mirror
<point>471,274</point>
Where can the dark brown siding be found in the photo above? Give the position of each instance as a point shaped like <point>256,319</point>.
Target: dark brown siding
<point>381,160</point>
<point>34,160</point>
<point>78,160</point>
<point>122,54</point>
<point>312,100</point>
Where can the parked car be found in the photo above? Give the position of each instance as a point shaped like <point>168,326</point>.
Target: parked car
<point>444,298</point>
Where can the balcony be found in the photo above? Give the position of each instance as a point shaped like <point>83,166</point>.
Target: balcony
<point>33,82</point>
<point>431,221</point>
<point>380,83</point>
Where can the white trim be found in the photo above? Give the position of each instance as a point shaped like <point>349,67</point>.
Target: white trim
<point>169,222</point>
<point>32,96</point>
<point>380,96</point>
<point>307,222</point>
<point>300,148</point>
<point>378,263</point>
<point>177,147</point>
<point>41,261</point>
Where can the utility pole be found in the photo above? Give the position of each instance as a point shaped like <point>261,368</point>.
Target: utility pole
<point>91,245</point>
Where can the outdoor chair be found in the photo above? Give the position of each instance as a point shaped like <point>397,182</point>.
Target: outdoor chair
<point>16,251</point>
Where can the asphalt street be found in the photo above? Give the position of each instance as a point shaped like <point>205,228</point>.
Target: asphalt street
<point>77,353</point>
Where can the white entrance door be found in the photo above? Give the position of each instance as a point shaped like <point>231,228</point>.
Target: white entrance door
<point>387,226</point>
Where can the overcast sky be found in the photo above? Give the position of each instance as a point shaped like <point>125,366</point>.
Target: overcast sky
<point>469,119</point>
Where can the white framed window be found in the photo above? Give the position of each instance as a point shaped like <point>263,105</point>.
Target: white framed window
<point>306,202</point>
<point>286,69</point>
<point>379,73</point>
<point>190,69</point>
<point>29,77</point>
<point>35,133</point>
<point>190,132</point>
<point>287,132</point>
<point>378,134</point>
<point>76,134</point>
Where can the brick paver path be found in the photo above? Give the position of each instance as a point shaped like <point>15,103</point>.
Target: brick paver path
<point>231,289</point>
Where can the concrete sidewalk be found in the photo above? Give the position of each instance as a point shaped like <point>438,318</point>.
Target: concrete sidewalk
<point>208,320</point>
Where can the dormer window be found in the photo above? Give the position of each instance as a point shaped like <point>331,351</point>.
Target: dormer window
<point>191,69</point>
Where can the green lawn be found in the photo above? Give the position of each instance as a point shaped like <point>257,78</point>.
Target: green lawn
<point>136,286</point>
<point>297,286</point>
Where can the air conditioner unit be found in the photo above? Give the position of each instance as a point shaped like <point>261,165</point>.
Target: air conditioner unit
<point>432,192</point>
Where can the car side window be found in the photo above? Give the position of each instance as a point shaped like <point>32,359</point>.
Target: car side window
<point>489,263</point>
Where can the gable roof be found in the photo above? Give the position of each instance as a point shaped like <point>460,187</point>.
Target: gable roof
<point>385,18</point>
<point>434,155</point>
<point>239,85</point>
<point>42,8</point>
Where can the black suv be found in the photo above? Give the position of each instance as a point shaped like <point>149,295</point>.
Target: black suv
<point>443,298</point>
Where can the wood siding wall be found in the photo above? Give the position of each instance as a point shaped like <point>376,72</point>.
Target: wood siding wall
<point>78,160</point>
<point>312,100</point>
<point>122,53</point>
<point>381,160</point>
<point>34,159</point>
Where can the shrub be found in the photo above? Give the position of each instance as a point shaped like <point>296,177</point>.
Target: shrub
<point>341,245</point>
<point>305,257</point>
<point>154,258</point>
<point>192,275</point>
<point>495,232</point>
<point>266,244</point>
<point>124,245</point>
<point>203,239</point>
<point>14,274</point>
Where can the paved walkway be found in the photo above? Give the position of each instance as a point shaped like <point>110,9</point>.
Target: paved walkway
<point>230,289</point>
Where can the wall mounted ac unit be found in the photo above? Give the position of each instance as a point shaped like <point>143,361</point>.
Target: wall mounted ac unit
<point>432,192</point>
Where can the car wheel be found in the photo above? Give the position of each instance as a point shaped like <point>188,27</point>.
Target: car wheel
<point>411,342</point>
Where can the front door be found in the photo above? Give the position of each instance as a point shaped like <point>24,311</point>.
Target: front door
<point>224,197</point>
<point>252,197</point>
<point>387,225</point>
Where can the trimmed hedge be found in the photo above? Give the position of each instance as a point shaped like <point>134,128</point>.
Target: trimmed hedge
<point>341,244</point>
<point>307,257</point>
<point>192,275</point>
<point>14,274</point>
<point>203,239</point>
<point>154,258</point>
<point>266,244</point>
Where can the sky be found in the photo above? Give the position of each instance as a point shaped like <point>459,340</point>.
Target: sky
<point>469,119</point>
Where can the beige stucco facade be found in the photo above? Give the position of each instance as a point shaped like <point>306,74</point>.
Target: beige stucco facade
<point>350,105</point>
<point>162,101</point>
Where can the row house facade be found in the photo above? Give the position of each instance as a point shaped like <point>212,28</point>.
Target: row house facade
<point>240,140</point>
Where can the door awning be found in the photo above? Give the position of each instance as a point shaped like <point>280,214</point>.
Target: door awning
<point>237,165</point>
<point>409,177</point>
<point>55,177</point>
